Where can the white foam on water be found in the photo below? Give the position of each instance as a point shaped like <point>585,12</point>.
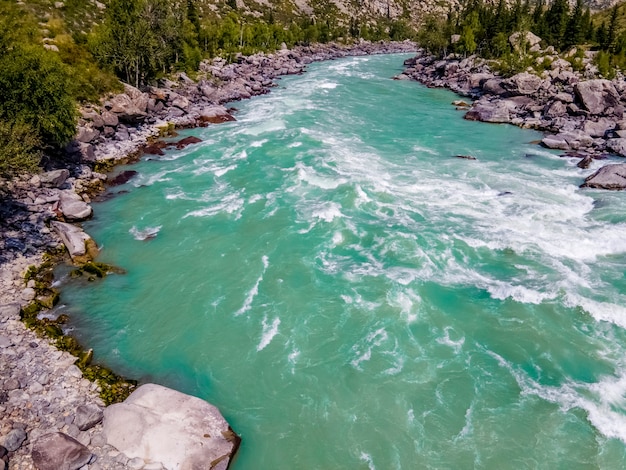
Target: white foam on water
<point>367,458</point>
<point>447,341</point>
<point>231,203</point>
<point>254,198</point>
<point>604,401</point>
<point>364,349</point>
<point>292,358</point>
<point>259,143</point>
<point>328,85</point>
<point>178,194</point>
<point>294,145</point>
<point>337,238</point>
<point>310,176</point>
<point>421,149</point>
<point>407,301</point>
<point>327,211</point>
<point>503,290</point>
<point>269,331</point>
<point>252,293</point>
<point>144,234</point>
<point>222,171</point>
<point>601,311</point>
<point>270,125</point>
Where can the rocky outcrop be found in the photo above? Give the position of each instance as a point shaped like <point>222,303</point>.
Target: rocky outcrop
<point>125,122</point>
<point>73,237</point>
<point>578,113</point>
<point>611,177</point>
<point>157,424</point>
<point>599,97</point>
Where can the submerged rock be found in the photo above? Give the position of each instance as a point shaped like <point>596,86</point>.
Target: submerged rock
<point>158,424</point>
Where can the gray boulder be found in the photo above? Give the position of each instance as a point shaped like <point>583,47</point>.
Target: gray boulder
<point>608,177</point>
<point>568,140</point>
<point>72,237</point>
<point>555,109</point>
<point>598,97</point>
<point>122,105</point>
<point>14,439</point>
<point>162,425</point>
<point>54,178</point>
<point>522,84</point>
<point>87,416</point>
<point>58,451</point>
<point>110,119</point>
<point>597,128</point>
<point>87,134</point>
<point>493,86</point>
<point>617,146</point>
<point>73,207</point>
<point>485,111</point>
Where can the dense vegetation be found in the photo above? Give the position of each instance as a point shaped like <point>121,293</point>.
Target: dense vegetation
<point>54,55</point>
<point>482,28</point>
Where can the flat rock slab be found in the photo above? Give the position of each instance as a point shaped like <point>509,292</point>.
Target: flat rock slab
<point>72,236</point>
<point>608,177</point>
<point>180,431</point>
<point>58,451</point>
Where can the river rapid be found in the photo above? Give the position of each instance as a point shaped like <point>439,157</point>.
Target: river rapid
<point>352,296</point>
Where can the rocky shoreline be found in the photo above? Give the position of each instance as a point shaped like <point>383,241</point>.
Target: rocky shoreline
<point>582,115</point>
<point>52,417</point>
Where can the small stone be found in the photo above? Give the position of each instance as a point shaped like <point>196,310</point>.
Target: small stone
<point>153,466</point>
<point>28,294</point>
<point>98,440</point>
<point>74,371</point>
<point>35,388</point>
<point>12,384</point>
<point>14,439</point>
<point>136,463</point>
<point>87,417</point>
<point>5,341</point>
<point>3,451</point>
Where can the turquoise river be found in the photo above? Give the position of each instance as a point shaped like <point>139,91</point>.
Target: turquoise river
<point>352,296</point>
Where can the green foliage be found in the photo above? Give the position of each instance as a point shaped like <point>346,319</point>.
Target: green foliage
<point>35,90</point>
<point>19,149</point>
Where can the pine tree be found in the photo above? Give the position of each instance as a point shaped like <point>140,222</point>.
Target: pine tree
<point>575,29</point>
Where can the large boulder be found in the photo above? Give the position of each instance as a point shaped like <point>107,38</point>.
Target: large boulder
<point>72,237</point>
<point>58,451</point>
<point>73,207</point>
<point>568,140</point>
<point>125,109</point>
<point>54,178</point>
<point>608,177</point>
<point>599,97</point>
<point>519,40</point>
<point>485,111</point>
<point>182,432</point>
<point>522,84</point>
<point>215,114</point>
<point>617,146</point>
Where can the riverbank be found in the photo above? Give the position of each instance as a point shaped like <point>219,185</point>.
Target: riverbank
<point>581,114</point>
<point>42,390</point>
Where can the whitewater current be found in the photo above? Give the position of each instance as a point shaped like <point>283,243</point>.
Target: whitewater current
<point>353,296</point>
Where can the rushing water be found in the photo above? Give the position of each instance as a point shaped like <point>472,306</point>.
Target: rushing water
<point>351,296</point>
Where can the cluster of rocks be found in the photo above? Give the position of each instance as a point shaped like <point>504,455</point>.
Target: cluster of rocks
<point>582,116</point>
<point>52,417</point>
<point>128,120</point>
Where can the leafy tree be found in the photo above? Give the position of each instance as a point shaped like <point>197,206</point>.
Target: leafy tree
<point>19,149</point>
<point>35,91</point>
